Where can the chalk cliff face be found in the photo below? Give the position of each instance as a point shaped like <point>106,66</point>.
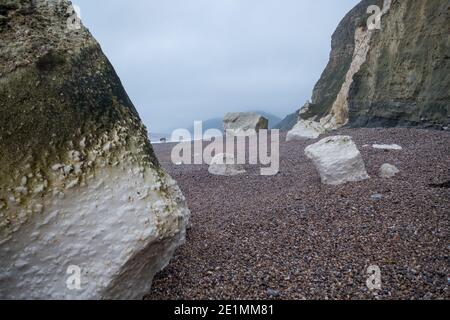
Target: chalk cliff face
<point>86,211</point>
<point>406,78</point>
<point>397,75</point>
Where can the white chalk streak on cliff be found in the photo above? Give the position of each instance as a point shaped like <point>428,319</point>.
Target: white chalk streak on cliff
<point>338,115</point>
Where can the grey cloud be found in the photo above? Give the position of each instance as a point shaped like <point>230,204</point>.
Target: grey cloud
<point>186,60</point>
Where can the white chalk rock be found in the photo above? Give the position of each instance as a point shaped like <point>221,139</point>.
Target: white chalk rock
<point>388,171</point>
<point>225,165</point>
<point>338,160</point>
<point>387,147</point>
<point>103,241</point>
<point>305,129</point>
<point>86,210</point>
<point>244,123</point>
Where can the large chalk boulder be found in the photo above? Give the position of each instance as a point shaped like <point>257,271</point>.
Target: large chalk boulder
<point>86,211</point>
<point>338,160</point>
<point>225,165</point>
<point>304,130</point>
<point>244,123</point>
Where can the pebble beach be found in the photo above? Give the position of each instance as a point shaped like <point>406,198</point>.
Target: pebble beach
<point>289,236</point>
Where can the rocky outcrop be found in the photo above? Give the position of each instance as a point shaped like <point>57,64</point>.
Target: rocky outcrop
<point>244,123</point>
<point>338,160</point>
<point>342,50</point>
<point>86,211</point>
<point>406,78</point>
<point>397,75</point>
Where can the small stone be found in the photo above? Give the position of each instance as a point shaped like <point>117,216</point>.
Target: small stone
<point>387,147</point>
<point>377,196</point>
<point>388,171</point>
<point>273,293</point>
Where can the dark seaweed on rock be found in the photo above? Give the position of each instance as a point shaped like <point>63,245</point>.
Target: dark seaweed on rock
<point>57,86</point>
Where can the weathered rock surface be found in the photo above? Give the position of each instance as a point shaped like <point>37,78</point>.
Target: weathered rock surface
<point>405,80</point>
<point>388,171</point>
<point>225,165</point>
<point>305,129</point>
<point>338,160</point>
<point>244,123</point>
<point>395,76</point>
<point>80,187</point>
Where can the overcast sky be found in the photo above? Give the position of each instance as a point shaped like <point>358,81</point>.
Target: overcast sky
<point>186,60</point>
